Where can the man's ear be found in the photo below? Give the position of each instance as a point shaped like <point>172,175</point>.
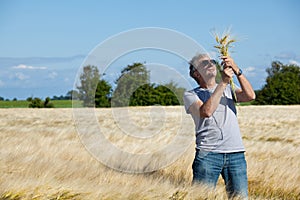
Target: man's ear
<point>197,74</point>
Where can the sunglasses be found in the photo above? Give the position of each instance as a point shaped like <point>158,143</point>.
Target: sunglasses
<point>207,62</point>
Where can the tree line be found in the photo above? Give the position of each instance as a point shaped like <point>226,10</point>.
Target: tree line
<point>133,88</point>
<point>282,85</point>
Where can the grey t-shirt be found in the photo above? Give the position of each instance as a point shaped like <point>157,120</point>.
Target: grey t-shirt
<point>220,132</point>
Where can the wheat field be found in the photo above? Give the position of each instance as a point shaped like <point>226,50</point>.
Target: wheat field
<point>43,156</point>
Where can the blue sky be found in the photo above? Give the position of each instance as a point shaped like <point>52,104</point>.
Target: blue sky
<point>43,43</point>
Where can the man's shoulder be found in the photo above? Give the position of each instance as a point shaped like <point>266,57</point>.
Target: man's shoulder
<point>192,91</point>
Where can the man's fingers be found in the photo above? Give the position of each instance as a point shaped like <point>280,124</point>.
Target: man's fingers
<point>227,61</point>
<point>228,71</point>
<point>224,57</point>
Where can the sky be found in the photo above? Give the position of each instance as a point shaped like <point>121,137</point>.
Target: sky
<point>43,44</point>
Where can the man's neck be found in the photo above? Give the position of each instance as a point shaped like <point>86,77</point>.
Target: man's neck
<point>209,84</point>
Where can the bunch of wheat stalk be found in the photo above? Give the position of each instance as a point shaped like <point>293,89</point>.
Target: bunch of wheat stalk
<point>223,46</point>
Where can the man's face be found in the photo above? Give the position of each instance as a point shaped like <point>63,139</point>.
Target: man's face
<point>207,68</point>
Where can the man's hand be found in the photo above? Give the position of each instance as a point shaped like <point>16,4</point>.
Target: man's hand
<point>246,93</point>
<point>227,74</point>
<point>229,62</point>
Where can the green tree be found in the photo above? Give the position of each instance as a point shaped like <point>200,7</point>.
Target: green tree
<point>47,103</point>
<point>131,78</point>
<point>166,96</point>
<point>103,93</point>
<point>88,84</point>
<point>38,103</point>
<point>282,85</point>
<point>29,99</point>
<point>72,94</point>
<point>134,89</point>
<point>176,91</point>
<point>149,94</point>
<point>144,95</point>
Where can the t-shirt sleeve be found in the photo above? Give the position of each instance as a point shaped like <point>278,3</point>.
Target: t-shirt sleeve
<point>189,98</point>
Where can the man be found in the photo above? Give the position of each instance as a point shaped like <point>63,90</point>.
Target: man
<point>219,146</point>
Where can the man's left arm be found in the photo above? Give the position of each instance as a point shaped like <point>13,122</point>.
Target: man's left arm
<point>246,93</point>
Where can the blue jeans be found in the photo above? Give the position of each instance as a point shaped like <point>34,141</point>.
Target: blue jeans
<point>207,167</point>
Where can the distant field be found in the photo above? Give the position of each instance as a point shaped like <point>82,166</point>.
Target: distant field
<point>14,104</point>
<point>64,103</point>
<point>24,104</point>
<point>57,104</point>
<point>42,156</point>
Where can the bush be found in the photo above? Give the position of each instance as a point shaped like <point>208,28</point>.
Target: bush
<point>47,103</point>
<point>38,103</point>
<point>282,86</point>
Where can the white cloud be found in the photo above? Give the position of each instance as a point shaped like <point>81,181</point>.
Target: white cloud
<point>250,71</point>
<point>21,76</point>
<point>294,62</point>
<point>286,55</point>
<point>1,83</point>
<point>52,75</point>
<point>21,66</point>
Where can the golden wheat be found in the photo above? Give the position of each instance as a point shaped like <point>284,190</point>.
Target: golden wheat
<point>224,42</point>
<point>42,156</point>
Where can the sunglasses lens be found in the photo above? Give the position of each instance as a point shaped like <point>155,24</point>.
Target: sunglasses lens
<point>207,62</point>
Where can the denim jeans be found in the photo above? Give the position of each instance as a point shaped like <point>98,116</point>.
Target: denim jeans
<point>207,167</point>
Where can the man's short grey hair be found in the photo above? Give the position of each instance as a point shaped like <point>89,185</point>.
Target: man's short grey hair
<point>196,59</point>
